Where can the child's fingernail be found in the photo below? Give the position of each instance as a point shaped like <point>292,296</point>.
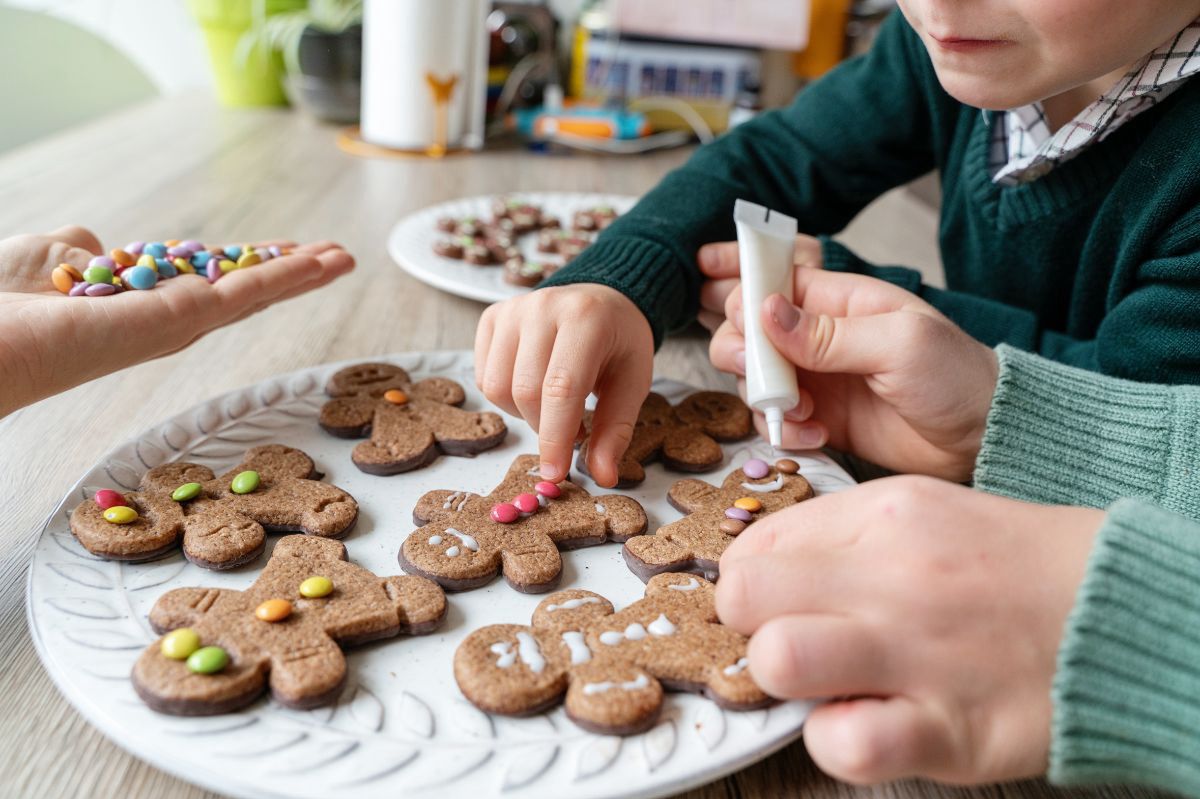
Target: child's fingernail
<point>809,437</point>
<point>785,314</point>
<point>739,362</point>
<point>549,471</point>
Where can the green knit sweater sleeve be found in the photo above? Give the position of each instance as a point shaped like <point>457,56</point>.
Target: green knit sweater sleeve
<point>1126,692</point>
<point>862,129</point>
<point>1064,435</point>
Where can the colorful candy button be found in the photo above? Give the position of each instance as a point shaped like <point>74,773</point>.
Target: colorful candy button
<point>787,466</point>
<point>180,644</point>
<point>64,277</point>
<point>102,261</point>
<point>249,258</point>
<point>738,514</point>
<point>100,289</point>
<point>155,250</point>
<point>226,265</point>
<point>107,498</point>
<point>121,514</point>
<point>147,261</point>
<point>234,252</point>
<point>207,660</point>
<point>526,503</point>
<point>316,587</point>
<point>732,526</point>
<point>141,278</point>
<point>134,247</point>
<point>123,258</point>
<point>213,270</point>
<point>98,274</point>
<point>748,503</point>
<point>505,513</point>
<point>274,610</point>
<point>548,490</point>
<point>245,482</point>
<point>756,469</point>
<point>79,289</point>
<point>184,266</point>
<point>395,396</point>
<point>186,491</point>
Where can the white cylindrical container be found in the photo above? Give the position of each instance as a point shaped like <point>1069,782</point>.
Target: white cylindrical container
<point>766,251</point>
<point>424,73</point>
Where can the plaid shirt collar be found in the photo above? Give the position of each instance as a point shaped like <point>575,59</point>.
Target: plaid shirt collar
<point>1023,148</point>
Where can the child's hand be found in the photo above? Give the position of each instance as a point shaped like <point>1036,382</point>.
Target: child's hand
<point>719,263</point>
<point>934,614</point>
<point>883,374</point>
<point>539,356</point>
<point>52,342</point>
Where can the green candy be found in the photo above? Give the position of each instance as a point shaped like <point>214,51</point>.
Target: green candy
<point>185,492</point>
<point>245,482</point>
<point>207,660</point>
<point>98,274</point>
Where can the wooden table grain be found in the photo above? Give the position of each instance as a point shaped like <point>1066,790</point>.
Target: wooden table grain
<point>183,168</point>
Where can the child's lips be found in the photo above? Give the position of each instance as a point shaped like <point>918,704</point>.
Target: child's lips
<point>962,44</point>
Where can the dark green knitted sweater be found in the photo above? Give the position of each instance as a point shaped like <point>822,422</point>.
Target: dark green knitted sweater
<point>1095,264</point>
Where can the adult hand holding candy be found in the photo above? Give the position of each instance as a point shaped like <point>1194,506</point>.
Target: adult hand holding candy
<point>50,342</point>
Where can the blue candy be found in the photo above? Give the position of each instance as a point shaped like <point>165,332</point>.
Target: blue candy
<point>201,259</point>
<point>166,269</point>
<point>157,249</point>
<point>234,252</point>
<point>140,277</point>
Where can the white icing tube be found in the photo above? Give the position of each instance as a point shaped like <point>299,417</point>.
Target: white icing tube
<point>766,247</point>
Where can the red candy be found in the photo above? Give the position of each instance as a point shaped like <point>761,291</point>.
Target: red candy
<point>548,490</point>
<point>505,513</point>
<point>526,503</point>
<point>107,498</point>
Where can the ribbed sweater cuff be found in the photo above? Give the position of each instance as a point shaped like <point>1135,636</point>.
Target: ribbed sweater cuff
<point>1127,690</point>
<point>838,257</point>
<point>1059,434</point>
<point>644,271</point>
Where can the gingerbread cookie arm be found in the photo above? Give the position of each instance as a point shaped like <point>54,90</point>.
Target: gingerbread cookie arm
<point>689,495</point>
<point>274,463</point>
<point>420,603</point>
<point>460,432</point>
<point>348,417</point>
<point>689,449</point>
<point>650,555</point>
<point>720,415</point>
<point>169,476</point>
<point>624,517</point>
<point>439,389</point>
<point>218,537</point>
<point>183,607</point>
<point>435,506</point>
<point>399,442</point>
<point>299,506</point>
<point>696,597</point>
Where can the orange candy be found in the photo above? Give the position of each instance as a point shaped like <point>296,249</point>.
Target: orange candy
<point>748,504</point>
<point>123,258</point>
<point>274,610</point>
<point>171,242</point>
<point>395,396</point>
<point>64,277</point>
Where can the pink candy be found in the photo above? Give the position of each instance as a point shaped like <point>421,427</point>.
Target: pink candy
<point>526,503</point>
<point>505,513</point>
<point>548,490</point>
<point>107,498</point>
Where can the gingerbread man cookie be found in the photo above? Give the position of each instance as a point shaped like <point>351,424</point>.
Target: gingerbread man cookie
<point>222,521</point>
<point>408,423</point>
<point>611,667</point>
<point>684,436</point>
<point>466,539</point>
<point>223,648</point>
<point>715,517</point>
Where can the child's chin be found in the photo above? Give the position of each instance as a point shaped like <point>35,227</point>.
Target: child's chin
<point>983,92</point>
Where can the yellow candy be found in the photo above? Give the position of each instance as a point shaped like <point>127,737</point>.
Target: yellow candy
<point>316,587</point>
<point>249,258</point>
<point>274,610</point>
<point>226,265</point>
<point>117,281</point>
<point>148,260</point>
<point>748,503</point>
<point>121,514</point>
<point>185,266</point>
<point>179,644</point>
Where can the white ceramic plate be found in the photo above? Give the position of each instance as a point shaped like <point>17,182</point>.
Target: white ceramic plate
<point>401,727</point>
<point>411,242</point>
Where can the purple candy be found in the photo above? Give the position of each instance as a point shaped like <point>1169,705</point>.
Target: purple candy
<point>103,260</point>
<point>214,271</point>
<point>78,289</point>
<point>180,251</point>
<point>192,245</point>
<point>756,469</point>
<point>275,251</point>
<point>135,247</point>
<point>100,289</point>
<point>739,514</point>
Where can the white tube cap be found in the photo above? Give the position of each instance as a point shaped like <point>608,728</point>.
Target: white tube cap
<point>775,425</point>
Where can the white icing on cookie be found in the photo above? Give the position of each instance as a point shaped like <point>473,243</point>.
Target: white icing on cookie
<point>450,500</point>
<point>634,632</point>
<point>591,688</point>
<point>543,501</point>
<point>765,488</point>
<point>467,541</point>
<point>434,540</point>
<point>505,651</point>
<point>579,650</point>
<point>531,655</point>
<point>599,507</point>
<point>661,626</point>
<point>452,552</point>
<point>737,668</point>
<point>571,604</point>
<point>692,585</point>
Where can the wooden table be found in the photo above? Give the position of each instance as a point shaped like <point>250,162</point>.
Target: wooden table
<point>183,168</point>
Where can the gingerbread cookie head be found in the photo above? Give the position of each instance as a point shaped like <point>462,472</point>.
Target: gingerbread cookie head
<point>409,423</point>
<point>609,668</point>
<point>685,436</point>
<point>223,648</point>
<point>467,539</point>
<point>222,521</point>
<point>715,516</point>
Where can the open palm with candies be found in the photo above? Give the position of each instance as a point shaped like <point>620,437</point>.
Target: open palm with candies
<point>50,342</point>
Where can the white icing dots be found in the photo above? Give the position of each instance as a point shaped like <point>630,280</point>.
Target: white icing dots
<point>434,540</point>
<point>527,649</point>
<point>591,688</point>
<point>467,541</point>
<point>634,632</point>
<point>765,488</point>
<point>505,651</point>
<point>691,585</point>
<point>600,507</point>
<point>579,650</point>
<point>737,668</point>
<point>661,626</point>
<point>452,552</point>
<point>450,500</point>
<point>571,604</point>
